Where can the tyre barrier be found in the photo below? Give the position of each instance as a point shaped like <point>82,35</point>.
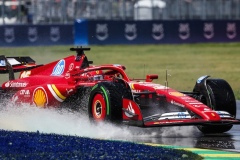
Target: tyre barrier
<point>36,145</point>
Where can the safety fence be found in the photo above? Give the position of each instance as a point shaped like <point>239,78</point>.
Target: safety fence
<point>65,11</point>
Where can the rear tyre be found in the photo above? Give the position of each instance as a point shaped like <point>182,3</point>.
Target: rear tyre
<point>105,101</point>
<point>222,99</point>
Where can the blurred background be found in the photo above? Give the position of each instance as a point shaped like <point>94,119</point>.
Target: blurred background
<point>66,11</point>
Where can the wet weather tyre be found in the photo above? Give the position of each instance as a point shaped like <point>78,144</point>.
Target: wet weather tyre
<point>105,101</point>
<point>99,106</point>
<point>222,99</point>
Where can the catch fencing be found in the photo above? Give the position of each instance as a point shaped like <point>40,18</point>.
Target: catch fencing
<point>66,11</point>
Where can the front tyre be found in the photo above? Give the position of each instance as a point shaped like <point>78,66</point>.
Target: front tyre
<point>99,107</point>
<point>105,101</point>
<point>221,98</point>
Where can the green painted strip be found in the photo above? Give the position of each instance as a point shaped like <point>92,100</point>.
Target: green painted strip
<point>95,86</point>
<point>207,154</point>
<point>105,93</point>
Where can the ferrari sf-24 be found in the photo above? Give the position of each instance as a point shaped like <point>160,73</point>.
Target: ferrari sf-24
<point>106,94</point>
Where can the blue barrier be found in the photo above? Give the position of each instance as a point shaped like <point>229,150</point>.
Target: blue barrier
<point>155,32</point>
<point>35,35</point>
<point>88,32</point>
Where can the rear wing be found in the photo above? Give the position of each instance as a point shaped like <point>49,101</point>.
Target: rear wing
<point>16,64</point>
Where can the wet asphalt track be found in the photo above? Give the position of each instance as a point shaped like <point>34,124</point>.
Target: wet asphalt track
<point>229,141</point>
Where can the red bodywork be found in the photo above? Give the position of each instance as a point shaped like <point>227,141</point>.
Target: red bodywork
<point>51,84</point>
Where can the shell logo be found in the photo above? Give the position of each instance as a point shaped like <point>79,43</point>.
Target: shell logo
<point>40,97</point>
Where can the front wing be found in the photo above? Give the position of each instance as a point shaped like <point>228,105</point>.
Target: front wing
<point>132,116</point>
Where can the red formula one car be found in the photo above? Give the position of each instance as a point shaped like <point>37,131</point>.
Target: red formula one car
<point>106,93</point>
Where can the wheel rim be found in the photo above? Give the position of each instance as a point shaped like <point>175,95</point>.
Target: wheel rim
<point>99,107</point>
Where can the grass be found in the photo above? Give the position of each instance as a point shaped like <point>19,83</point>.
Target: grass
<point>185,62</point>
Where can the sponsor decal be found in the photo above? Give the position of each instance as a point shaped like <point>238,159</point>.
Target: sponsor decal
<point>136,91</point>
<point>25,74</point>
<point>69,90</point>
<point>70,67</point>
<point>9,35</point>
<point>184,31</point>
<point>54,34</point>
<point>160,87</point>
<point>130,31</point>
<point>15,84</point>
<point>130,109</point>
<point>155,86</point>
<point>102,32</point>
<point>78,57</point>
<point>59,68</point>
<point>182,115</point>
<point>40,98</point>
<point>231,30</point>
<point>206,109</point>
<point>67,75</point>
<point>186,98</point>
<point>177,104</point>
<point>157,31</point>
<point>2,63</point>
<point>192,101</point>
<point>177,94</point>
<point>174,115</point>
<point>208,30</point>
<point>56,93</point>
<point>32,34</point>
<point>25,93</point>
<point>195,105</point>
